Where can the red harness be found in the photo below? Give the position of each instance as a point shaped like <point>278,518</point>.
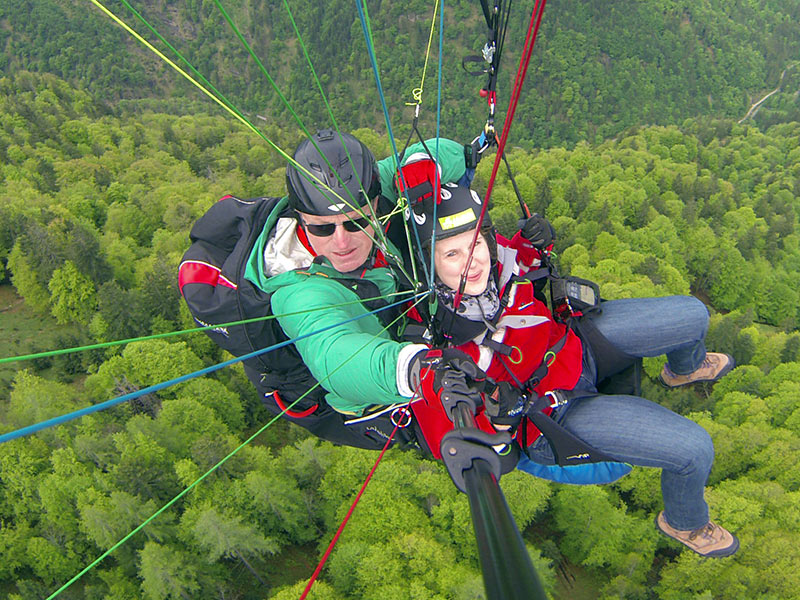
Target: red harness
<point>525,337</point>
<point>527,332</point>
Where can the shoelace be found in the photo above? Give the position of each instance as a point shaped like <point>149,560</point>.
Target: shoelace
<point>708,362</point>
<point>706,531</point>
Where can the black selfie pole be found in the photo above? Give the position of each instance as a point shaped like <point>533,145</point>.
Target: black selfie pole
<point>474,466</point>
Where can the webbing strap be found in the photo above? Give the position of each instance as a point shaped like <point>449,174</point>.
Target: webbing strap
<point>541,371</point>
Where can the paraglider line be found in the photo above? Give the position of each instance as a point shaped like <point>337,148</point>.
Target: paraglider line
<point>346,518</point>
<point>221,462</point>
<point>160,386</point>
<point>157,336</point>
<point>524,61</point>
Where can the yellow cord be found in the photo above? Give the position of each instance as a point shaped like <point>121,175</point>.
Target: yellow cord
<point>310,176</point>
<point>158,53</point>
<point>417,92</point>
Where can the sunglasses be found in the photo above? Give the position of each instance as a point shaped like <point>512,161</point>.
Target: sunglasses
<point>327,229</point>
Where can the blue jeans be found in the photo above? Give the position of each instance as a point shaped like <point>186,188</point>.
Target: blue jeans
<point>634,430</point>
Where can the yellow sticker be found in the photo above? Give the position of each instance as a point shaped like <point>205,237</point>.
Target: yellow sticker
<point>457,220</point>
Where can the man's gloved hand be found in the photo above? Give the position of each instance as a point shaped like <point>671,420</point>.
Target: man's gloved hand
<point>506,405</point>
<point>538,231</point>
<point>448,365</point>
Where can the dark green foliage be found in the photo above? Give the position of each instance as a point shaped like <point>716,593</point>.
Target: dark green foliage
<point>67,366</point>
<point>743,348</point>
<point>724,335</point>
<point>159,293</point>
<point>790,350</point>
<point>42,363</point>
<point>48,248</point>
<point>597,69</point>
<point>121,311</point>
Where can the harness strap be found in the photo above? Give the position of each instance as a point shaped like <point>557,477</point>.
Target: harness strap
<point>537,274</point>
<point>367,291</point>
<point>506,350</point>
<point>609,359</point>
<point>549,356</point>
<point>511,374</point>
<point>496,346</point>
<point>567,448</point>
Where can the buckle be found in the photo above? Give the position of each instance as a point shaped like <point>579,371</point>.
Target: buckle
<point>401,417</point>
<point>557,398</point>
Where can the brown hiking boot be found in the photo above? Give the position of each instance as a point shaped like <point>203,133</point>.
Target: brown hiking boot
<point>709,540</point>
<point>714,366</point>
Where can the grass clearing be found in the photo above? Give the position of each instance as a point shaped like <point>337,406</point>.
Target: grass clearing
<point>23,331</point>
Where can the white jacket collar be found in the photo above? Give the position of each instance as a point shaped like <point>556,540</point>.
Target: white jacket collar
<point>284,251</point>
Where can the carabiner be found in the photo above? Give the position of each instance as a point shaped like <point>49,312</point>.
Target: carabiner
<point>397,417</point>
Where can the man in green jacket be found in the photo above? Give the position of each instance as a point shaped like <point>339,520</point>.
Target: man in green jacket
<point>324,261</point>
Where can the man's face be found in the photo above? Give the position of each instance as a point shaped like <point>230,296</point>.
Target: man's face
<point>347,250</point>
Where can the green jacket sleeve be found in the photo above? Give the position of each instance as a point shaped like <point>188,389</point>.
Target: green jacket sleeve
<point>451,159</point>
<point>354,359</point>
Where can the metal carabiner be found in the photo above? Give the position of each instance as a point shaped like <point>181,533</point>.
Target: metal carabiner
<point>397,417</point>
<point>488,51</point>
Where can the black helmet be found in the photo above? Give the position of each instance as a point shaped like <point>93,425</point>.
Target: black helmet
<point>330,191</point>
<point>458,210</point>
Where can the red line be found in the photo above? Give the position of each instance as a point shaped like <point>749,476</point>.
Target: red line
<point>358,497</point>
<point>291,413</point>
<point>524,61</point>
<point>347,518</point>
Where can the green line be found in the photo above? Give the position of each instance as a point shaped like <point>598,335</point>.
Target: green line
<point>384,248</point>
<point>383,244</point>
<point>367,27</point>
<point>185,61</point>
<point>227,105</point>
<point>183,73</point>
<point>193,330</point>
<point>219,100</point>
<point>330,113</point>
<point>219,464</point>
<point>352,205</point>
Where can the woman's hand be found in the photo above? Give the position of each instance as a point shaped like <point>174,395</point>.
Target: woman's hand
<point>505,407</point>
<point>538,231</point>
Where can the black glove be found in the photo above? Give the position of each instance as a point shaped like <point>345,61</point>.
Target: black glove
<point>537,230</point>
<point>446,367</point>
<point>506,405</point>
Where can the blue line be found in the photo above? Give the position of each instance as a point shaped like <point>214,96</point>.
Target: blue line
<point>160,386</point>
<point>374,61</point>
<point>438,122</point>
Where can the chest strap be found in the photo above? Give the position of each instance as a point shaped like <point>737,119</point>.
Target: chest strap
<point>506,350</point>
<point>549,357</point>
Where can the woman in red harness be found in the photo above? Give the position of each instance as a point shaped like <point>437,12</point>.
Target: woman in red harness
<point>539,365</point>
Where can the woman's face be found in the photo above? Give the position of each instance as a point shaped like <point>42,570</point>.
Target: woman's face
<point>451,258</point>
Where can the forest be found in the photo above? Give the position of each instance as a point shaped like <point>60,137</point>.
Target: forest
<point>598,67</point>
<point>662,193</point>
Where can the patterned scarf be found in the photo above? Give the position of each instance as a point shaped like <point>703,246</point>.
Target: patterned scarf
<point>475,308</point>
